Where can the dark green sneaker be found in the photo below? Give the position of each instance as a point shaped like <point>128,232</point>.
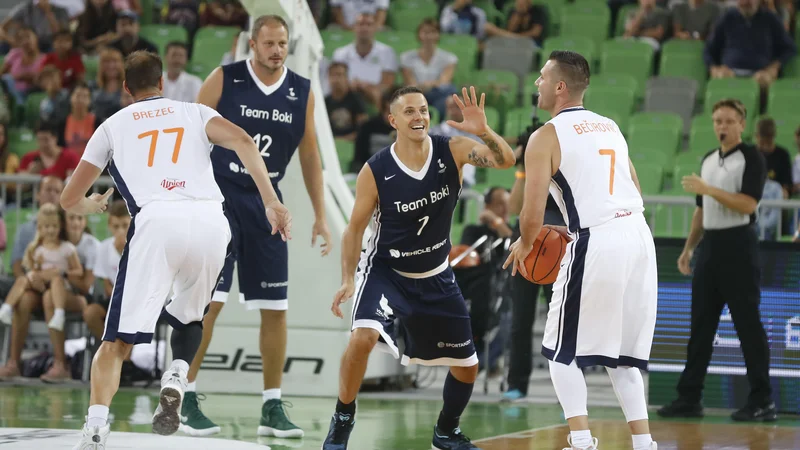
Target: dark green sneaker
<point>274,421</point>
<point>193,421</point>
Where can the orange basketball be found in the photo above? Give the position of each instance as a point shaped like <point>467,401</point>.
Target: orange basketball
<point>544,260</point>
<point>471,260</point>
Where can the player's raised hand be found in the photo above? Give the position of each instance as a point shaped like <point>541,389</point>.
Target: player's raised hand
<point>342,295</point>
<point>280,219</point>
<point>474,121</point>
<point>320,229</point>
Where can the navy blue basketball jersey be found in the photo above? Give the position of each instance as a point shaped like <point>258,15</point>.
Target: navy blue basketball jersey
<point>274,116</point>
<point>415,209</point>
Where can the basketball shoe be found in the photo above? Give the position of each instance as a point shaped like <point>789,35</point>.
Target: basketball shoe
<point>454,440</point>
<point>193,421</point>
<point>274,421</point>
<point>592,446</point>
<point>339,432</point>
<point>167,418</point>
<point>93,438</point>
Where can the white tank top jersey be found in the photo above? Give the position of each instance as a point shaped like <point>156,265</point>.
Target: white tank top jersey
<point>157,150</point>
<point>593,184</point>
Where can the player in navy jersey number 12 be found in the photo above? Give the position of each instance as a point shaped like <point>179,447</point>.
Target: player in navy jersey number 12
<point>275,106</point>
<point>410,189</point>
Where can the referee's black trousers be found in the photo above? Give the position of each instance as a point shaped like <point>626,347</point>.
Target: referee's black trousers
<point>524,299</point>
<point>727,271</point>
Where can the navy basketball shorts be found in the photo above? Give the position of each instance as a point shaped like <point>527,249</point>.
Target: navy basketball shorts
<point>429,313</point>
<point>262,260</point>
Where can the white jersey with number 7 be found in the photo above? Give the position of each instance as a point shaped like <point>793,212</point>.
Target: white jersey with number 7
<point>593,184</point>
<point>157,150</point>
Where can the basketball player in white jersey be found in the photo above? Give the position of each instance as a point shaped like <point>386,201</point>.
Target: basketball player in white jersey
<point>603,309</point>
<point>158,153</point>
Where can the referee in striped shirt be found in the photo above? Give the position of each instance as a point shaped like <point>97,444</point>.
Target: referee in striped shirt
<point>727,268</point>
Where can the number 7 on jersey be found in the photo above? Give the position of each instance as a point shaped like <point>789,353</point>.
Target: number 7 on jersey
<point>153,135</point>
<point>613,155</point>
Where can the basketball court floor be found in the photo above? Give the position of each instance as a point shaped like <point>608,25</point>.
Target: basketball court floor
<point>42,417</point>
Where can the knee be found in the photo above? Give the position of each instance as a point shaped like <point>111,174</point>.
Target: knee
<point>28,303</point>
<point>273,317</point>
<point>94,313</point>
<point>117,348</point>
<point>465,374</point>
<point>363,340</point>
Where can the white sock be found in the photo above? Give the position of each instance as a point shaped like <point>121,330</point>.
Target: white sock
<point>581,439</point>
<point>642,441</point>
<point>6,307</point>
<point>629,387</point>
<point>98,416</point>
<point>191,387</point>
<point>271,394</point>
<point>570,388</point>
<point>59,312</point>
<point>180,365</point>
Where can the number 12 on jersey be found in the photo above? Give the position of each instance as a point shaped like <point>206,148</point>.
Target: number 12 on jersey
<point>613,155</point>
<point>264,139</point>
<point>153,135</point>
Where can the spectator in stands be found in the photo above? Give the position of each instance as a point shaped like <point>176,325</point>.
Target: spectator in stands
<point>769,217</point>
<point>127,5</point>
<point>462,17</point>
<point>107,89</point>
<point>128,40</point>
<point>453,112</point>
<point>781,8</point>
<point>185,13</point>
<point>527,20</point>
<point>796,164</point>
<point>67,60</point>
<point>375,134</point>
<point>9,161</point>
<point>345,12</point>
<point>97,26</point>
<point>429,67</point>
<point>748,41</point>
<point>80,123</point>
<point>43,18</point>
<point>779,163</point>
<point>224,13</point>
<point>8,35</point>
<point>74,8</point>
<point>49,159</point>
<point>694,19</point>
<point>345,109</point>
<point>228,57</point>
<point>49,192</point>
<point>107,264</point>
<point>178,84</point>
<point>54,108</point>
<point>371,64</point>
<point>21,65</point>
<point>648,23</point>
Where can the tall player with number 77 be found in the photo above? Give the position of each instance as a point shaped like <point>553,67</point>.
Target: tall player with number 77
<point>603,310</point>
<point>276,108</point>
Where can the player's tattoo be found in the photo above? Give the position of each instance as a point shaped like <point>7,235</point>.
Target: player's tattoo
<point>496,151</point>
<point>478,160</point>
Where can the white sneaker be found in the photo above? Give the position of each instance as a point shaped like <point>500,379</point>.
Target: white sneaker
<point>167,418</point>
<point>94,438</point>
<point>593,446</point>
<point>56,323</point>
<point>6,314</point>
<point>653,446</point>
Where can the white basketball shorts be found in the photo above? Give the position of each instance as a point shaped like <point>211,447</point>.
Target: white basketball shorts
<point>603,309</point>
<point>177,247</point>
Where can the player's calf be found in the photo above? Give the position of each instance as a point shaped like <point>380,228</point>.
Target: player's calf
<point>456,394</point>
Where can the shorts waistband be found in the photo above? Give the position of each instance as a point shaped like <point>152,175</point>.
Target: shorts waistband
<point>433,272</point>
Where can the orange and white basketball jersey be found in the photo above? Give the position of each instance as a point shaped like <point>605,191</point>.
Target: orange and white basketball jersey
<point>593,184</point>
<point>157,150</point>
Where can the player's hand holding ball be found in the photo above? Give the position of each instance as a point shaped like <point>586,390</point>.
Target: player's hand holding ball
<point>280,219</point>
<point>519,252</point>
<point>540,262</point>
<point>342,295</point>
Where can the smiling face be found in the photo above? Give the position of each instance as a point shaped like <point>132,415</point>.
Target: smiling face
<point>410,117</point>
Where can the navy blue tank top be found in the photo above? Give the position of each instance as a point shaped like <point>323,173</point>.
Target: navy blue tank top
<point>274,116</point>
<point>415,209</point>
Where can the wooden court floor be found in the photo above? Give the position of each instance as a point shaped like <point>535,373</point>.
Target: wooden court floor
<point>399,423</point>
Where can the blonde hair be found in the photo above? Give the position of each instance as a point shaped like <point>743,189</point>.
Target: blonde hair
<point>47,211</point>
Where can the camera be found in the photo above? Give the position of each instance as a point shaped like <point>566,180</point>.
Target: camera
<point>523,138</point>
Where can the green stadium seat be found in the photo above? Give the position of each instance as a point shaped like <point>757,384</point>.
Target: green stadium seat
<point>32,108</point>
<point>786,125</point>
<point>464,47</point>
<point>690,160</point>
<point>615,80</point>
<point>672,220</point>
<point>622,18</point>
<point>792,68</point>
<point>493,117</point>
<point>408,19</point>
<point>500,87</point>
<point>642,122</point>
<point>21,141</point>
<point>555,9</point>
<point>630,57</point>
<point>581,44</point>
<point>605,100</point>
<point>681,171</point>
<point>161,35</point>
<point>650,177</point>
<point>211,43</point>
<point>90,65</point>
<point>701,135</point>
<point>335,38</point>
<point>400,41</point>
<point>345,150</point>
<point>501,177</point>
<point>646,155</point>
<point>592,26</point>
<point>784,97</point>
<point>201,69</point>
<point>664,139</point>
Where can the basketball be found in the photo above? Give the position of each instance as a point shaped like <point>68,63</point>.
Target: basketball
<point>543,262</point>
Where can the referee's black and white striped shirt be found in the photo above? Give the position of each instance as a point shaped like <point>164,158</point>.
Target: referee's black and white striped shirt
<point>741,170</point>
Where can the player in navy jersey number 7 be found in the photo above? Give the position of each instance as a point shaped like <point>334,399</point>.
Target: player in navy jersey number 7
<point>410,190</point>
<point>276,108</point>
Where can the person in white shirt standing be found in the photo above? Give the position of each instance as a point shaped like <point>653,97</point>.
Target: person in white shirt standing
<point>158,153</point>
<point>603,308</point>
<point>178,84</point>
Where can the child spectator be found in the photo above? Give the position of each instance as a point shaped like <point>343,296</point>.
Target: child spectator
<point>67,60</point>
<point>80,123</point>
<point>55,106</point>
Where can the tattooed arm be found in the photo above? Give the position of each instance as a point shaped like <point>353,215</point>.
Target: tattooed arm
<point>494,153</point>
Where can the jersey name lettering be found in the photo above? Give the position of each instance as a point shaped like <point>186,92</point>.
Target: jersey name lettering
<point>595,127</point>
<point>275,116</point>
<point>417,204</point>
<point>153,113</point>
